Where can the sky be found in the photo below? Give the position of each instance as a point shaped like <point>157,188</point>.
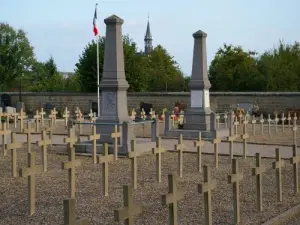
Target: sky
<point>62,28</point>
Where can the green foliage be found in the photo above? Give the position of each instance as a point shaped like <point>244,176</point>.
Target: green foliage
<point>164,72</point>
<point>16,55</point>
<point>234,69</point>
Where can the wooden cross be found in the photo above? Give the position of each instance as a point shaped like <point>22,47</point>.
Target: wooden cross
<point>13,146</point>
<point>199,144</point>
<point>262,123</point>
<point>71,140</point>
<point>278,165</point>
<point>42,113</point>
<point>15,115</point>
<point>245,136</point>
<point>295,135</point>
<point>22,117</point>
<point>50,130</point>
<point>218,120</point>
<point>258,172</point>
<point>115,135</point>
<point>235,179</point>
<point>157,152</point>
<point>133,156</point>
<point>240,117</point>
<point>226,120</point>
<point>54,112</point>
<point>289,120</point>
<point>282,120</point>
<point>171,199</point>
<point>253,125</point>
<point>69,213</point>
<point>206,189</point>
<point>216,143</point>
<point>30,173</point>
<point>104,160</point>
<point>276,122</point>
<point>236,123</point>
<point>79,119</point>
<point>127,213</point>
<point>295,119</point>
<point>269,124</point>
<point>92,117</point>
<point>143,114</point>
<point>133,113</point>
<point>28,134</point>
<point>44,142</point>
<point>70,166</point>
<point>4,133</point>
<point>66,115</point>
<point>52,120</point>
<point>231,138</point>
<point>295,160</point>
<point>179,148</point>
<point>94,137</point>
<point>77,112</point>
<point>37,118</point>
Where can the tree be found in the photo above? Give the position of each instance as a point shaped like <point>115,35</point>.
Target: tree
<point>164,73</point>
<point>86,68</point>
<point>16,55</point>
<point>233,69</point>
<point>281,67</point>
<point>44,77</point>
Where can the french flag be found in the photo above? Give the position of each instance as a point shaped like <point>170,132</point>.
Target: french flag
<point>95,28</point>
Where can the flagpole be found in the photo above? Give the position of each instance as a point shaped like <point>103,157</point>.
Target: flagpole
<point>98,73</point>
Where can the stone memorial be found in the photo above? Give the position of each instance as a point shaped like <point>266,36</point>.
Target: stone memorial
<point>199,116</point>
<point>113,86</point>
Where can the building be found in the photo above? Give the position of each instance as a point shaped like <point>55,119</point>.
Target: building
<point>148,40</point>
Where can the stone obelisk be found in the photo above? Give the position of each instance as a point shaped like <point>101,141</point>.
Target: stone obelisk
<point>198,116</point>
<point>113,86</point>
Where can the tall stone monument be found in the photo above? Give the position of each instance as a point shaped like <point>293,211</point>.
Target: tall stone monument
<point>198,116</point>
<point>113,85</point>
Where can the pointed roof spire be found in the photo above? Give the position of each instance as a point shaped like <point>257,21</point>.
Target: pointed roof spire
<point>148,32</point>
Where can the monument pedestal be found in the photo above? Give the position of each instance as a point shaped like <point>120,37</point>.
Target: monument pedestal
<point>198,119</point>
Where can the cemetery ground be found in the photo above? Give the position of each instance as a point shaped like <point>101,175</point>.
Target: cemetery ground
<point>91,204</point>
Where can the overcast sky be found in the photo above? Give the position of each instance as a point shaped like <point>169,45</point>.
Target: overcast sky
<point>62,28</point>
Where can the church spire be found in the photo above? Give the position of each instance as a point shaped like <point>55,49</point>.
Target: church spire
<point>148,39</point>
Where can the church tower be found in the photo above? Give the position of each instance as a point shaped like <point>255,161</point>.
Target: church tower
<point>148,40</point>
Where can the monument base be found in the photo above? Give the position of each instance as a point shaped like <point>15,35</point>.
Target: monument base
<point>199,119</point>
<point>107,128</point>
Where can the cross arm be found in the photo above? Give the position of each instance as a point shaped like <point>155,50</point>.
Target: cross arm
<point>171,198</point>
<point>278,164</point>
<point>234,178</point>
<point>25,172</point>
<point>258,170</point>
<point>70,164</point>
<point>207,186</point>
<point>14,145</point>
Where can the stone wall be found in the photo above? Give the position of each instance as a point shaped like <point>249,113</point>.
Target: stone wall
<point>220,101</point>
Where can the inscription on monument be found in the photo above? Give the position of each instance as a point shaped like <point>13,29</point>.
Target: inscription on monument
<point>109,102</point>
<point>196,98</point>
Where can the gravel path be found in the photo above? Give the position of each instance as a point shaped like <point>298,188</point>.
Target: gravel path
<point>92,205</point>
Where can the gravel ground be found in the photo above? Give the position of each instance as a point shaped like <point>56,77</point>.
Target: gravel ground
<point>52,188</point>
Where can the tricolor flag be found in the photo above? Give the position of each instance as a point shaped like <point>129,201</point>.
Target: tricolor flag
<point>95,28</point>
